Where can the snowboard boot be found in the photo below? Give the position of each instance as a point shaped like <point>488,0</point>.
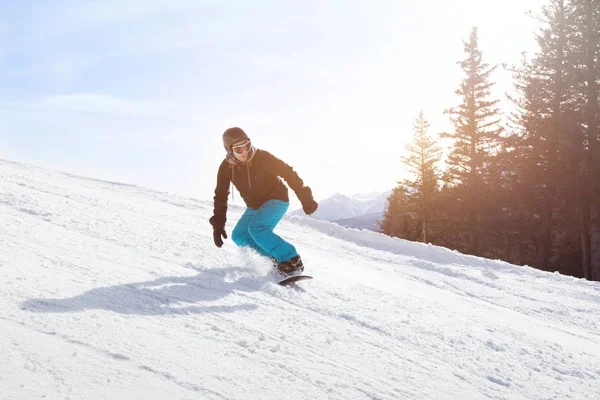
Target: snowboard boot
<point>293,266</point>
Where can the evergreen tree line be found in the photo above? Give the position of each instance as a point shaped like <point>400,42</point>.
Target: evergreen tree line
<point>524,187</point>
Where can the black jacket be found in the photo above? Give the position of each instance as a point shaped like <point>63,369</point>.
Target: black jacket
<point>258,181</point>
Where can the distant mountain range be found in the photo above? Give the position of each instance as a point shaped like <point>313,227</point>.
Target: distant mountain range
<point>366,221</point>
<point>361,210</point>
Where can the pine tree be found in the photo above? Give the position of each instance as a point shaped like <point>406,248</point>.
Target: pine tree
<point>587,47</point>
<point>521,198</point>
<point>476,135</point>
<point>549,137</point>
<point>423,155</point>
<point>399,214</point>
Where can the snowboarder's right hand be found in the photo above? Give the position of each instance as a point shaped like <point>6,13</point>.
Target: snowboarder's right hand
<point>217,234</point>
<point>218,224</point>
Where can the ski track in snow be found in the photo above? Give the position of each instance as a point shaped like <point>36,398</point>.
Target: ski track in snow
<point>115,291</point>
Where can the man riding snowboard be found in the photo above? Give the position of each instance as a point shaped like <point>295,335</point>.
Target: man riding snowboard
<point>256,173</point>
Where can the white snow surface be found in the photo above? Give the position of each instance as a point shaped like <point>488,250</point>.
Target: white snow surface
<point>112,291</point>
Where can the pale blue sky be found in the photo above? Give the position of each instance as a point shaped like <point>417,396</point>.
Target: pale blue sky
<point>140,91</point>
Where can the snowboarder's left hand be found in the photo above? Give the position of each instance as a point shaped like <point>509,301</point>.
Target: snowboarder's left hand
<point>310,206</point>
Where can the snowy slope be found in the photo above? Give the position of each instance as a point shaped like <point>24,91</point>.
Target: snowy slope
<point>110,291</point>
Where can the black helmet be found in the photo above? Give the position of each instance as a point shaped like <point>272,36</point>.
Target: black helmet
<point>233,135</point>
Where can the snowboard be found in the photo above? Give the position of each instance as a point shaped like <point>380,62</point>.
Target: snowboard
<point>293,279</point>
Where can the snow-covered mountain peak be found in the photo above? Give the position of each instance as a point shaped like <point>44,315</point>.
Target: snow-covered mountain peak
<point>341,206</point>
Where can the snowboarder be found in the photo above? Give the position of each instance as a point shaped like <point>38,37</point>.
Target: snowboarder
<point>256,173</point>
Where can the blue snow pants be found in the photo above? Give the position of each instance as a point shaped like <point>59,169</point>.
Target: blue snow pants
<point>255,229</point>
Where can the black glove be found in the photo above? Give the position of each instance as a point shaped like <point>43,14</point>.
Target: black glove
<point>218,230</point>
<point>217,233</point>
<point>309,205</point>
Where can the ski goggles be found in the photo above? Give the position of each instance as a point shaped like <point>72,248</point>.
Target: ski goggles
<point>242,147</point>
